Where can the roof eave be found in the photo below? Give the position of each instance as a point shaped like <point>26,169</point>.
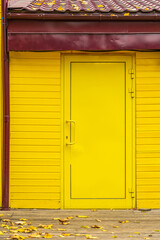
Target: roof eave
<point>83,16</point>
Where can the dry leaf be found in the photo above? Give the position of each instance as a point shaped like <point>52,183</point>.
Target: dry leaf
<point>20,223</point>
<point>33,228</point>
<point>66,234</point>
<point>85,227</point>
<point>23,219</point>
<point>89,236</point>
<point>124,221</point>
<point>114,236</point>
<point>1,215</point>
<point>47,235</point>
<point>61,229</point>
<point>115,226</point>
<point>17,237</point>
<point>137,233</point>
<point>96,226</point>
<point>6,220</point>
<point>35,235</point>
<point>70,217</point>
<point>1,233</point>
<point>157,230</point>
<point>55,218</point>
<point>98,220</point>
<point>82,216</point>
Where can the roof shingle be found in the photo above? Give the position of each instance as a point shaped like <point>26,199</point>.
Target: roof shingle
<point>102,6</point>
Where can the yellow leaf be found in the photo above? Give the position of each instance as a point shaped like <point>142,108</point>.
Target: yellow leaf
<point>1,233</point>
<point>114,236</point>
<point>137,233</point>
<point>69,217</point>
<point>130,236</point>
<point>47,235</point>
<point>124,221</point>
<point>23,219</point>
<point>61,229</point>
<point>89,236</point>
<point>35,235</point>
<point>33,228</point>
<point>13,231</point>
<point>98,220</point>
<point>82,216</point>
<point>17,237</point>
<point>20,223</point>
<point>1,215</point>
<point>85,227</point>
<point>104,230</point>
<point>61,235</point>
<point>6,220</point>
<point>157,230</point>
<point>116,226</point>
<point>66,234</point>
<point>96,226</point>
<point>55,218</point>
<point>126,14</point>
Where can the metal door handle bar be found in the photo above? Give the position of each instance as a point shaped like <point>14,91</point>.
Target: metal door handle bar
<point>72,122</point>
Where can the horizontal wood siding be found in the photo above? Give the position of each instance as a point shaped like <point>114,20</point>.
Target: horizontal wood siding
<point>148,129</point>
<point>35,140</point>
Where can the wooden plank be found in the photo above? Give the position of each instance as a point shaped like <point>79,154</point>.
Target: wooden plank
<point>148,195</point>
<point>36,95</point>
<point>35,176</point>
<point>34,101</point>
<point>34,169</point>
<point>147,94</point>
<point>148,107</point>
<point>35,189</point>
<point>34,108</point>
<point>46,121</point>
<point>34,128</point>
<point>35,162</point>
<point>35,88</point>
<point>33,115</point>
<point>154,203</point>
<point>35,142</point>
<point>51,204</point>
<point>35,195</point>
<point>149,175</point>
<point>147,101</point>
<point>35,182</point>
<point>28,67</point>
<point>40,56</point>
<point>147,182</point>
<point>150,161</point>
<point>35,135</point>
<point>148,134</point>
<point>23,148</point>
<point>32,155</point>
<point>147,55</point>
<point>148,141</point>
<point>148,168</point>
<point>148,188</point>
<point>155,127</point>
<point>145,121</point>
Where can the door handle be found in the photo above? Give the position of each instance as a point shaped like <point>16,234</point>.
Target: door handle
<point>72,123</point>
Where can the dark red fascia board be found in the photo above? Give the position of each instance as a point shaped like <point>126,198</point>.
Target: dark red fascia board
<point>85,16</point>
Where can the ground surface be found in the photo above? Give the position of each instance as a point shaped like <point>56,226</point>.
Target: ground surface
<point>120,224</point>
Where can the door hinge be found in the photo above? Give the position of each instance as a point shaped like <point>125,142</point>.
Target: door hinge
<point>131,71</point>
<point>131,191</point>
<point>131,90</point>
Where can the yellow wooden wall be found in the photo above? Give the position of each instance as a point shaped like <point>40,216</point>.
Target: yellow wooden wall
<point>35,175</point>
<point>35,130</point>
<point>148,129</point>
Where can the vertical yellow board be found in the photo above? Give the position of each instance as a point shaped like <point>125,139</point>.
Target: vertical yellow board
<point>1,107</point>
<point>35,137</point>
<point>148,129</point>
<point>98,132</point>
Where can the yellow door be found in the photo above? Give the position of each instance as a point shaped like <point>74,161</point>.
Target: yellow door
<point>98,170</point>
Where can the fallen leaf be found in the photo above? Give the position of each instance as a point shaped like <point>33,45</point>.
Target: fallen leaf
<point>115,226</point>
<point>20,223</point>
<point>82,216</point>
<point>137,233</point>
<point>89,236</point>
<point>47,235</point>
<point>55,218</point>
<point>146,238</point>
<point>6,220</point>
<point>96,226</point>
<point>66,234</point>
<point>23,219</point>
<point>1,233</point>
<point>130,236</point>
<point>17,237</point>
<point>35,235</point>
<point>124,221</point>
<point>114,236</point>
<point>1,215</point>
<point>126,14</point>
<point>33,228</point>
<point>104,230</point>
<point>157,230</point>
<point>85,227</point>
<point>69,217</point>
<point>98,220</point>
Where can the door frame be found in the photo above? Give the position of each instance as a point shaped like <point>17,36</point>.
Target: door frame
<point>63,118</point>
